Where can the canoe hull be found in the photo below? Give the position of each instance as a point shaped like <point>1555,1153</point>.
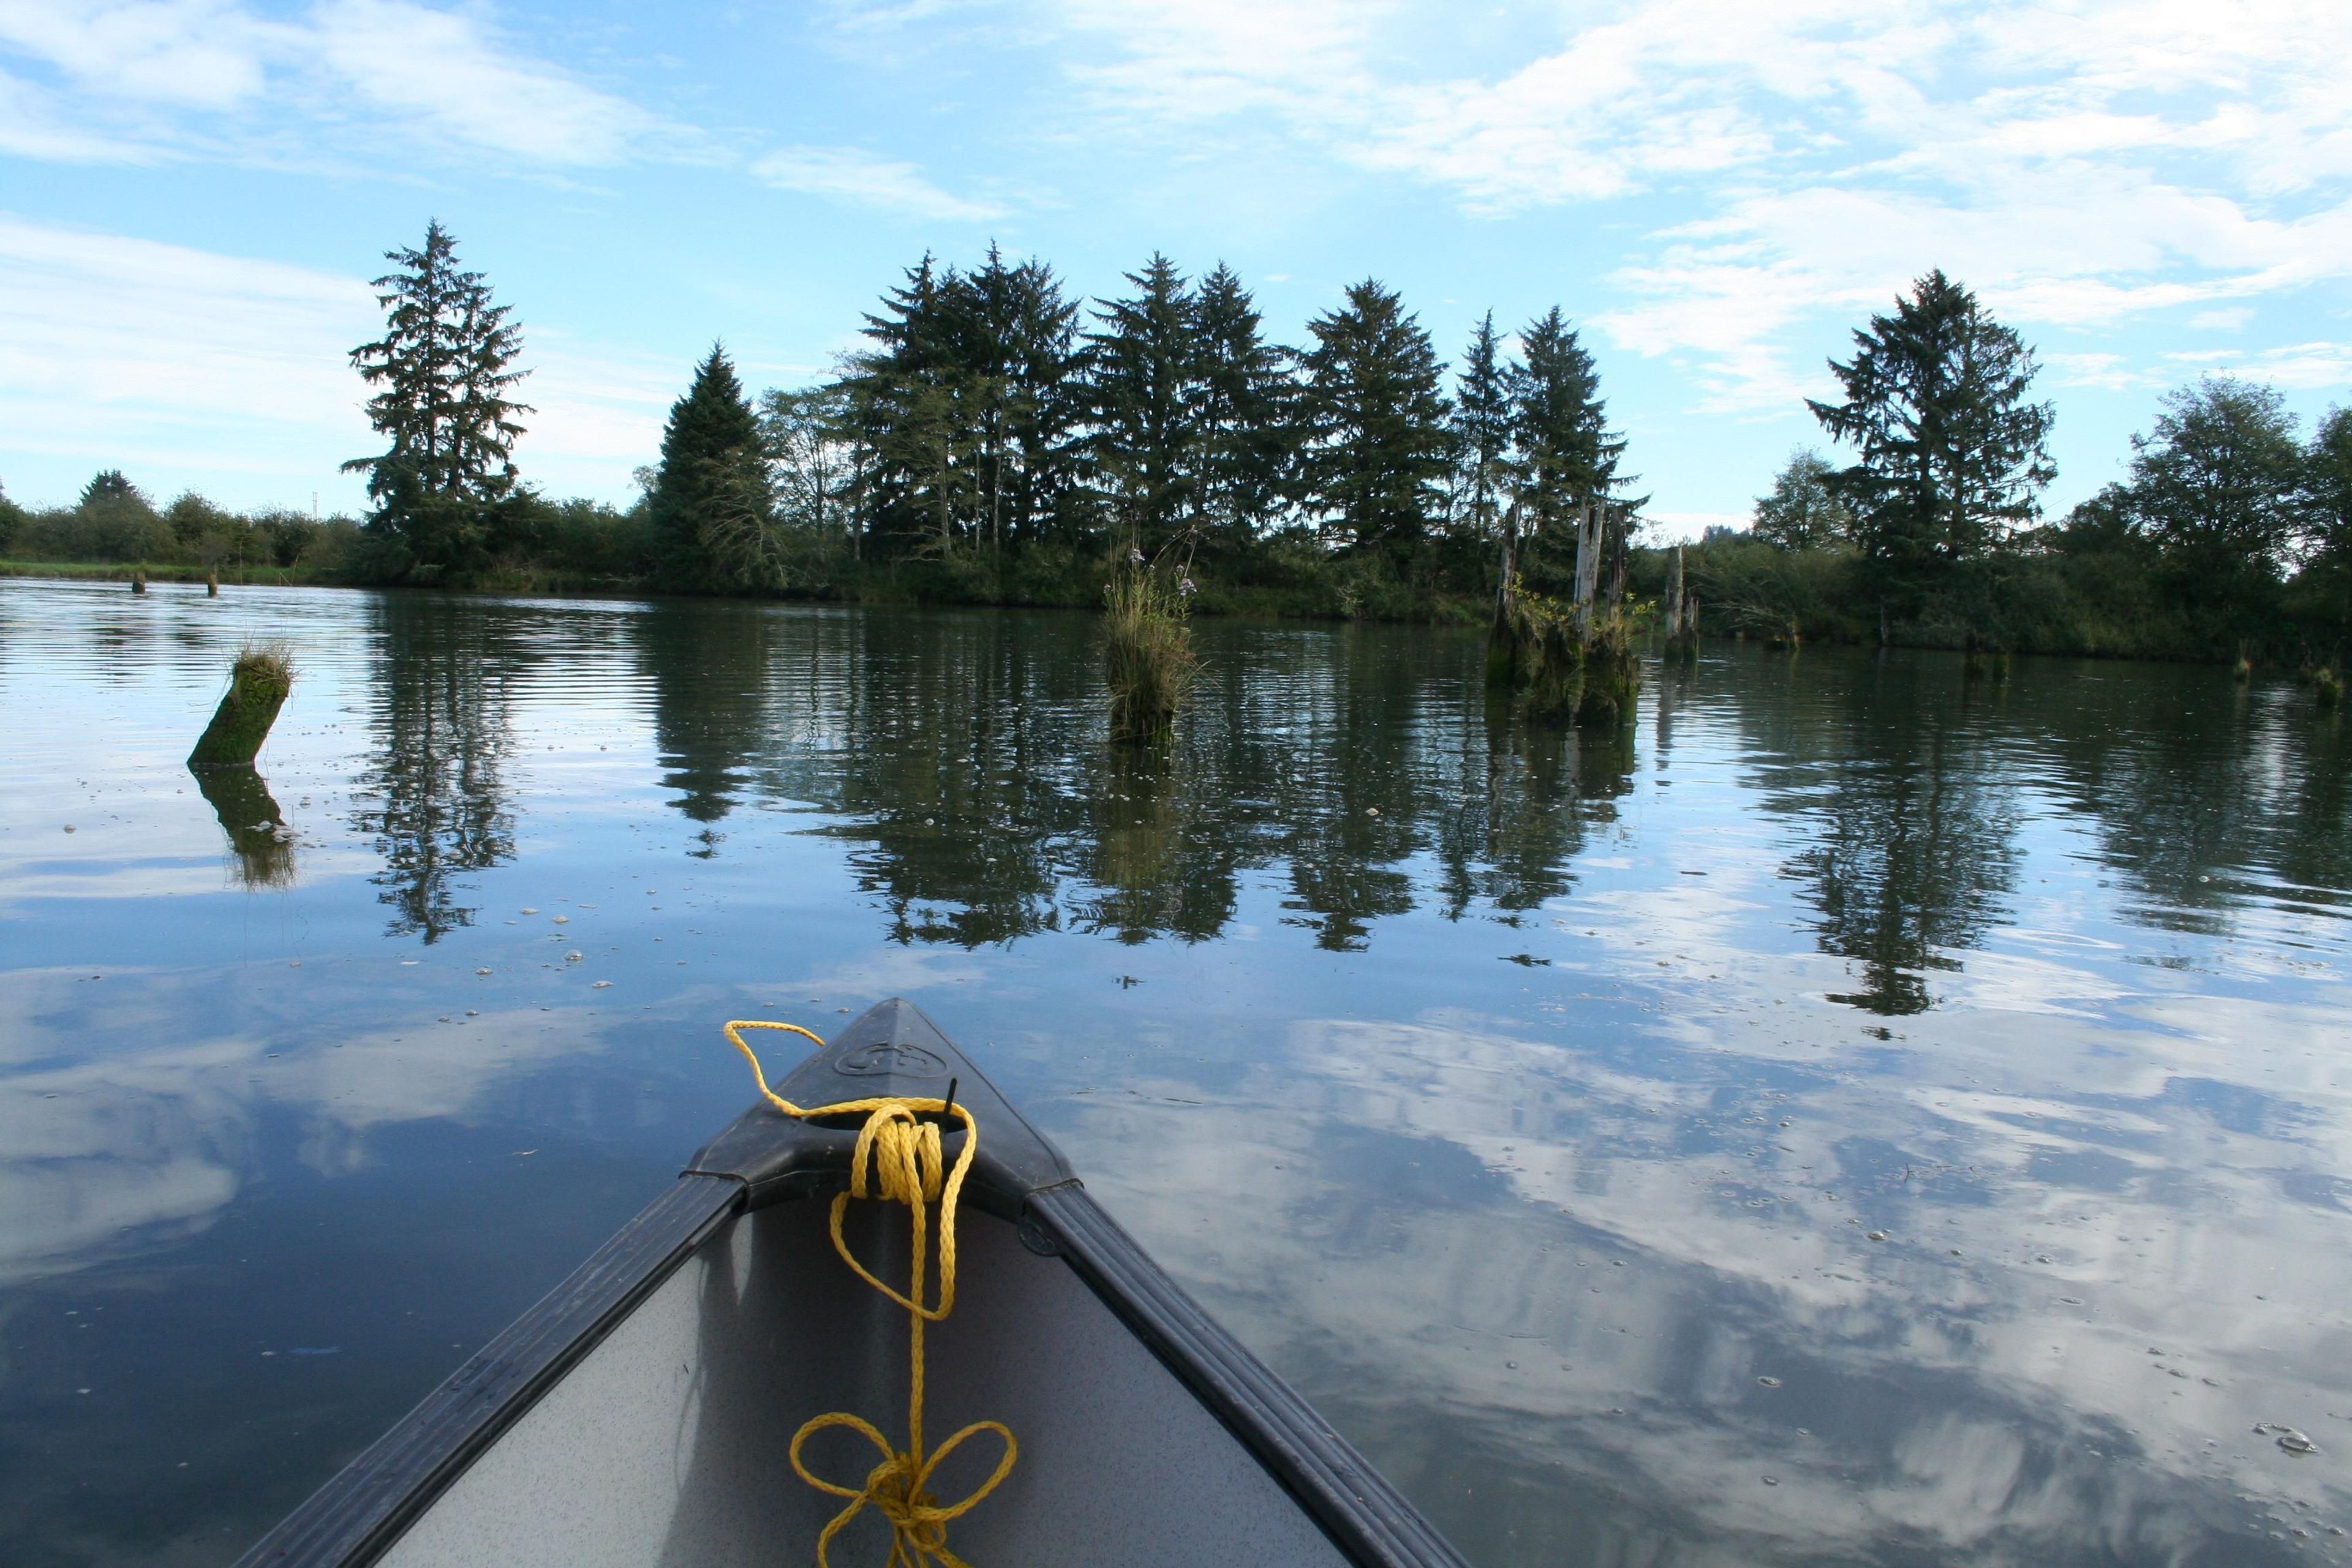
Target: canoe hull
<point>641,1414</point>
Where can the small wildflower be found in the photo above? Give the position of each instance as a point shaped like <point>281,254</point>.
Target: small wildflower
<point>1184,587</point>
<point>1134,557</point>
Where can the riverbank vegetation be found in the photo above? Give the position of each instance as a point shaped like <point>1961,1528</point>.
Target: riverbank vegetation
<point>996,439</point>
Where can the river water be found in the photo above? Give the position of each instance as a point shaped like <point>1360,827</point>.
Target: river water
<point>1855,1115</point>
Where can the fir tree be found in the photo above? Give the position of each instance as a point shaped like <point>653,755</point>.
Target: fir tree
<point>1143,374</point>
<point>1482,427</point>
<point>1951,455</point>
<point>111,488</point>
<point>712,513</point>
<point>1377,447</point>
<point>1243,430</point>
<point>1567,454</point>
<point>444,365</point>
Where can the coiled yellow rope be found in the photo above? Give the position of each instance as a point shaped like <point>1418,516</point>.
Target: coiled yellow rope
<point>910,1165</point>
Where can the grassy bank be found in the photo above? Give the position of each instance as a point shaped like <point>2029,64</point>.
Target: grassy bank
<point>170,572</point>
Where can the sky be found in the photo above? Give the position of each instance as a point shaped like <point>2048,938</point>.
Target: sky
<point>194,194</point>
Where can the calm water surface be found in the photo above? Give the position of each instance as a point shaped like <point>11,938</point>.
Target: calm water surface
<point>1853,1117</point>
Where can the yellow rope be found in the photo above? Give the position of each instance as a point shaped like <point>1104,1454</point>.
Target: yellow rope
<point>910,1164</point>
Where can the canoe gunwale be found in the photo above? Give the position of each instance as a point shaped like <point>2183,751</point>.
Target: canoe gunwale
<point>1366,1518</point>
<point>357,1515</point>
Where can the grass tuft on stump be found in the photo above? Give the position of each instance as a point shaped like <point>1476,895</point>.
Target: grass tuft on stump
<point>1148,658</point>
<point>258,685</point>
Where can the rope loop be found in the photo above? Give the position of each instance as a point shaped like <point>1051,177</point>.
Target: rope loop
<point>907,1161</point>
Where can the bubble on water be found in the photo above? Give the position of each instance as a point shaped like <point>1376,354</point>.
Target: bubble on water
<point>1878,1235</point>
<point>2294,1442</point>
<point>1769,1382</point>
<point>529,911</point>
<point>601,984</point>
<point>572,957</point>
<point>1771,1480</point>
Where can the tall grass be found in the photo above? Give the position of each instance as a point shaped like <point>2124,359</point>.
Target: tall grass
<point>1148,658</point>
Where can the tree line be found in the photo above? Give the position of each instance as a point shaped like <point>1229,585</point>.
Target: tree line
<point>996,437</point>
<point>995,431</point>
<point>2229,536</point>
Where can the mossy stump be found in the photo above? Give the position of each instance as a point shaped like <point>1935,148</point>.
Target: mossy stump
<point>1612,672</point>
<point>138,581</point>
<point>1554,671</point>
<point>258,685</point>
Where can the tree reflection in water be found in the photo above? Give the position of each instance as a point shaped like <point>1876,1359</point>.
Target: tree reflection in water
<point>433,796</point>
<point>964,758</point>
<point>1910,817</point>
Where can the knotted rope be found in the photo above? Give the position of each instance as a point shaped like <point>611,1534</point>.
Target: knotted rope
<point>909,1165</point>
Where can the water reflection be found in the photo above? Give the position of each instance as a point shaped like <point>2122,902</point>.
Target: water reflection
<point>1581,1250</point>
<point>261,846</point>
<point>962,758</point>
<point>1909,820</point>
<point>708,669</point>
<point>432,794</point>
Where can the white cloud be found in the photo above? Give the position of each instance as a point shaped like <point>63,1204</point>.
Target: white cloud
<point>2081,165</point>
<point>234,375</point>
<point>863,179</point>
<point>2226,320</point>
<point>153,79</point>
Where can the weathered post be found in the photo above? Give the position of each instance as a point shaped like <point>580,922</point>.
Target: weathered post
<point>258,685</point>
<point>211,584</point>
<point>137,581</point>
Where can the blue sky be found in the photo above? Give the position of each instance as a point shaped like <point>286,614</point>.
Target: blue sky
<point>194,193</point>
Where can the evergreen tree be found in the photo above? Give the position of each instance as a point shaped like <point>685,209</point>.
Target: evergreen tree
<point>963,411</point>
<point>1952,454</point>
<point>445,365</point>
<point>1378,445</point>
<point>1803,512</point>
<point>1244,448</point>
<point>1143,374</point>
<point>1567,453</point>
<point>1482,425</point>
<point>111,488</point>
<point>712,513</point>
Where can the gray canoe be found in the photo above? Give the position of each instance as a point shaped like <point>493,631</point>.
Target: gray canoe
<point>641,1412</point>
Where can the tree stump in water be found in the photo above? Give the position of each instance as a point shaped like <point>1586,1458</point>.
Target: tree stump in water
<point>258,686</point>
<point>211,584</point>
<point>139,582</point>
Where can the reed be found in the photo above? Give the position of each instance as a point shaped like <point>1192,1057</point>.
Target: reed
<point>1148,658</point>
<point>257,684</point>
